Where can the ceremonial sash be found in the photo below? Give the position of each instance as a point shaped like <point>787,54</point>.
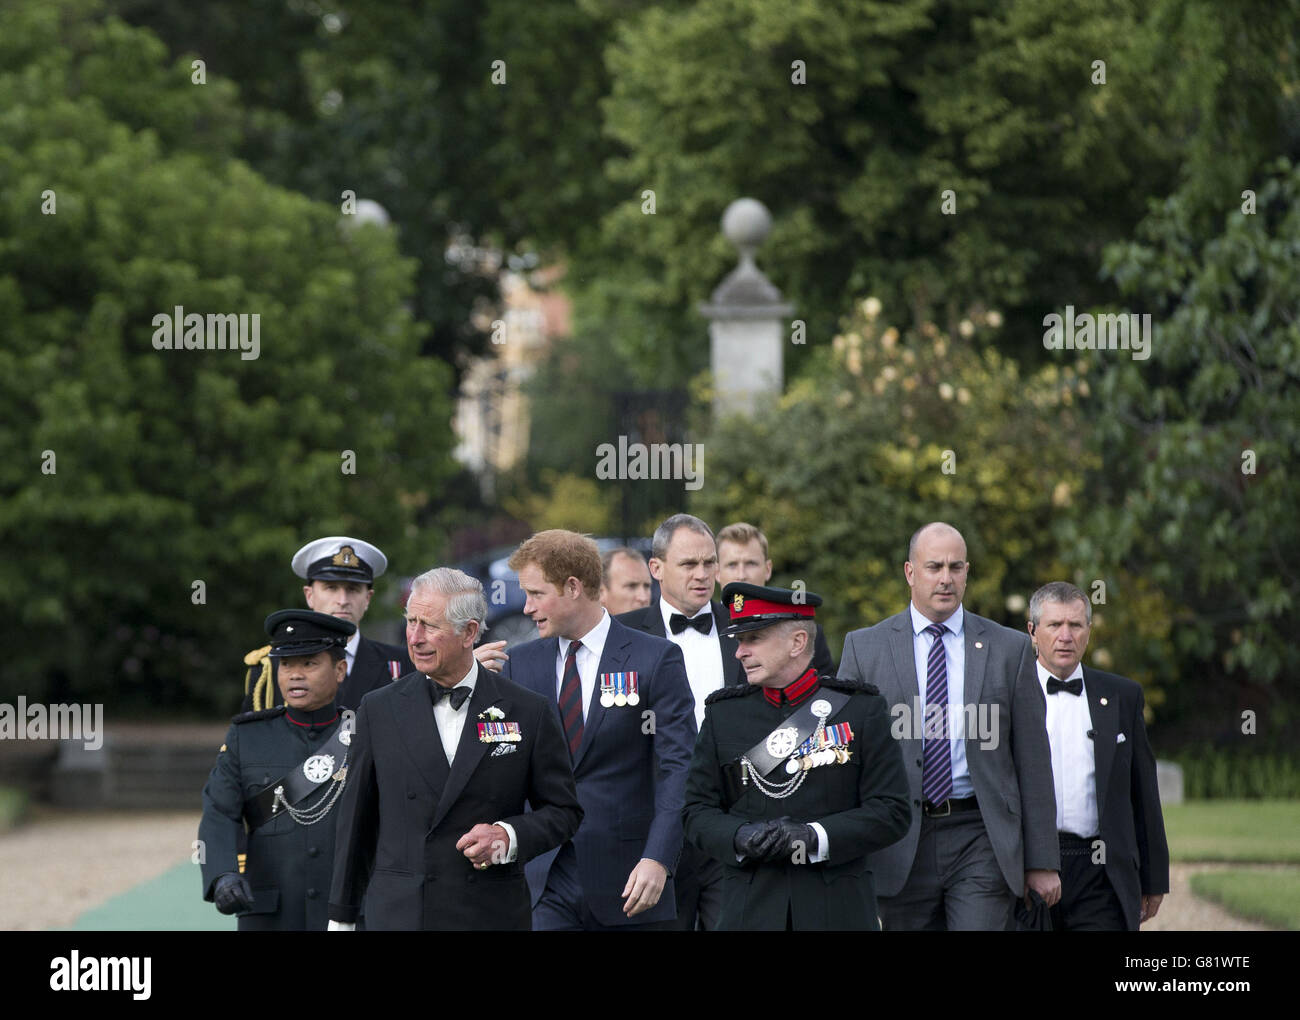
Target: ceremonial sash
<point>802,721</point>
<point>258,811</point>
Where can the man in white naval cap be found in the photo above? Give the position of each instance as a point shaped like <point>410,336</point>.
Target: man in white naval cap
<point>340,572</point>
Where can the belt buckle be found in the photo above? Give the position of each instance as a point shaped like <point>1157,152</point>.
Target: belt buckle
<point>947,804</point>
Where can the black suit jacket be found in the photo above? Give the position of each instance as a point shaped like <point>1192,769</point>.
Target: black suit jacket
<point>651,620</point>
<point>1128,799</point>
<point>861,803</point>
<point>404,809</point>
<point>370,671</point>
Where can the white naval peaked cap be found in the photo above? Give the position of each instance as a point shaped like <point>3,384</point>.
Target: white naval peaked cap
<point>339,558</point>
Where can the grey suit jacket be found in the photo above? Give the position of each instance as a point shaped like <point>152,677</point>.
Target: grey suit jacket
<point>1012,774</point>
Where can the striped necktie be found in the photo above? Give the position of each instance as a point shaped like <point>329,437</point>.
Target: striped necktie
<point>571,699</point>
<point>936,772</point>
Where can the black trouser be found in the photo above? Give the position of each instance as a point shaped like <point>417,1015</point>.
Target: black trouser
<point>698,884</point>
<point>1088,901</point>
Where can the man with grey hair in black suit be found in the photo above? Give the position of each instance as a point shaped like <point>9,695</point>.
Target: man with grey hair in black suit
<point>458,777</point>
<point>1114,856</point>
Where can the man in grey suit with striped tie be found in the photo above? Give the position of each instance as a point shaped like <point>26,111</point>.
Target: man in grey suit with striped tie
<point>969,713</point>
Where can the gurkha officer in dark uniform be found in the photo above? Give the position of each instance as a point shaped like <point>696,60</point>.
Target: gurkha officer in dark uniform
<point>277,779</point>
<point>795,778</point>
<point>340,573</point>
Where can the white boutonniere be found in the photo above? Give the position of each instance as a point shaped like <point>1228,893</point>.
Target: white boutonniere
<point>492,713</point>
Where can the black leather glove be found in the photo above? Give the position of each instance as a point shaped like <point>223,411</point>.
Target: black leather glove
<point>231,894</point>
<point>755,840</point>
<point>793,832</point>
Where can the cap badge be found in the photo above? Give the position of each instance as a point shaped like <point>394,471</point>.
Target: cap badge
<point>345,557</point>
<point>737,603</point>
<point>288,630</point>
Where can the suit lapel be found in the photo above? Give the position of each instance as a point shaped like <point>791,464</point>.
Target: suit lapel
<point>1105,728</point>
<point>976,659</point>
<point>613,659</point>
<point>900,644</point>
<point>418,730</point>
<point>469,749</point>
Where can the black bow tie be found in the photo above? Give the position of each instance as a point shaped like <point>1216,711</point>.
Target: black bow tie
<point>456,695</point>
<point>1055,686</point>
<point>703,623</point>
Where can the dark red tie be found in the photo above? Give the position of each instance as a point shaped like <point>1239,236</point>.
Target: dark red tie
<point>571,699</point>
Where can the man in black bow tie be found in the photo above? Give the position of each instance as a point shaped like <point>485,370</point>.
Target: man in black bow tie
<point>684,560</point>
<point>1114,857</point>
<point>433,831</point>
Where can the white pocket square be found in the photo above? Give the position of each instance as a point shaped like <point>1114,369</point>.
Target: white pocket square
<point>1120,738</point>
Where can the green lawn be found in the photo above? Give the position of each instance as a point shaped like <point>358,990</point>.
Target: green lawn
<point>170,902</point>
<point>1270,896</point>
<point>1241,831</point>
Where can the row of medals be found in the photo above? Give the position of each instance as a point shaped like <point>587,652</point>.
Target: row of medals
<point>608,699</point>
<point>825,756</point>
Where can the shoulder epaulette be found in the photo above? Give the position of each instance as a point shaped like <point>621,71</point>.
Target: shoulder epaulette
<point>731,691</point>
<point>257,655</point>
<point>840,683</point>
<point>266,713</point>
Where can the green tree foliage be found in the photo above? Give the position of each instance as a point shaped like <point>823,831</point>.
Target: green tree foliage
<point>993,100</point>
<point>1200,475</point>
<point>473,123</point>
<point>167,467</point>
<point>886,432</point>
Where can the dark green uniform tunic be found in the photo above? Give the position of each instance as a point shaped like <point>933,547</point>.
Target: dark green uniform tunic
<point>289,865</point>
<point>862,805</point>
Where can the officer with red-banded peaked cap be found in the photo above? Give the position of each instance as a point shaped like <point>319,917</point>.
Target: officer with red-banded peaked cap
<point>795,777</point>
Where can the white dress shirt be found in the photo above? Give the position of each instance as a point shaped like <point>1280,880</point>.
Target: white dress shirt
<point>353,643</point>
<point>703,655</point>
<point>954,646</point>
<point>451,721</point>
<point>1074,758</point>
<point>451,724</point>
<point>588,660</point>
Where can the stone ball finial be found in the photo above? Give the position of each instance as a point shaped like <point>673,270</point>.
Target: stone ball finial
<point>370,211</point>
<point>746,224</point>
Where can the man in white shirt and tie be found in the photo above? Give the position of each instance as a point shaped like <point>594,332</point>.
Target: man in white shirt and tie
<point>1114,856</point>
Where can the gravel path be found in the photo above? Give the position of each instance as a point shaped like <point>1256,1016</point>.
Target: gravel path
<point>61,864</point>
<point>1181,911</point>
